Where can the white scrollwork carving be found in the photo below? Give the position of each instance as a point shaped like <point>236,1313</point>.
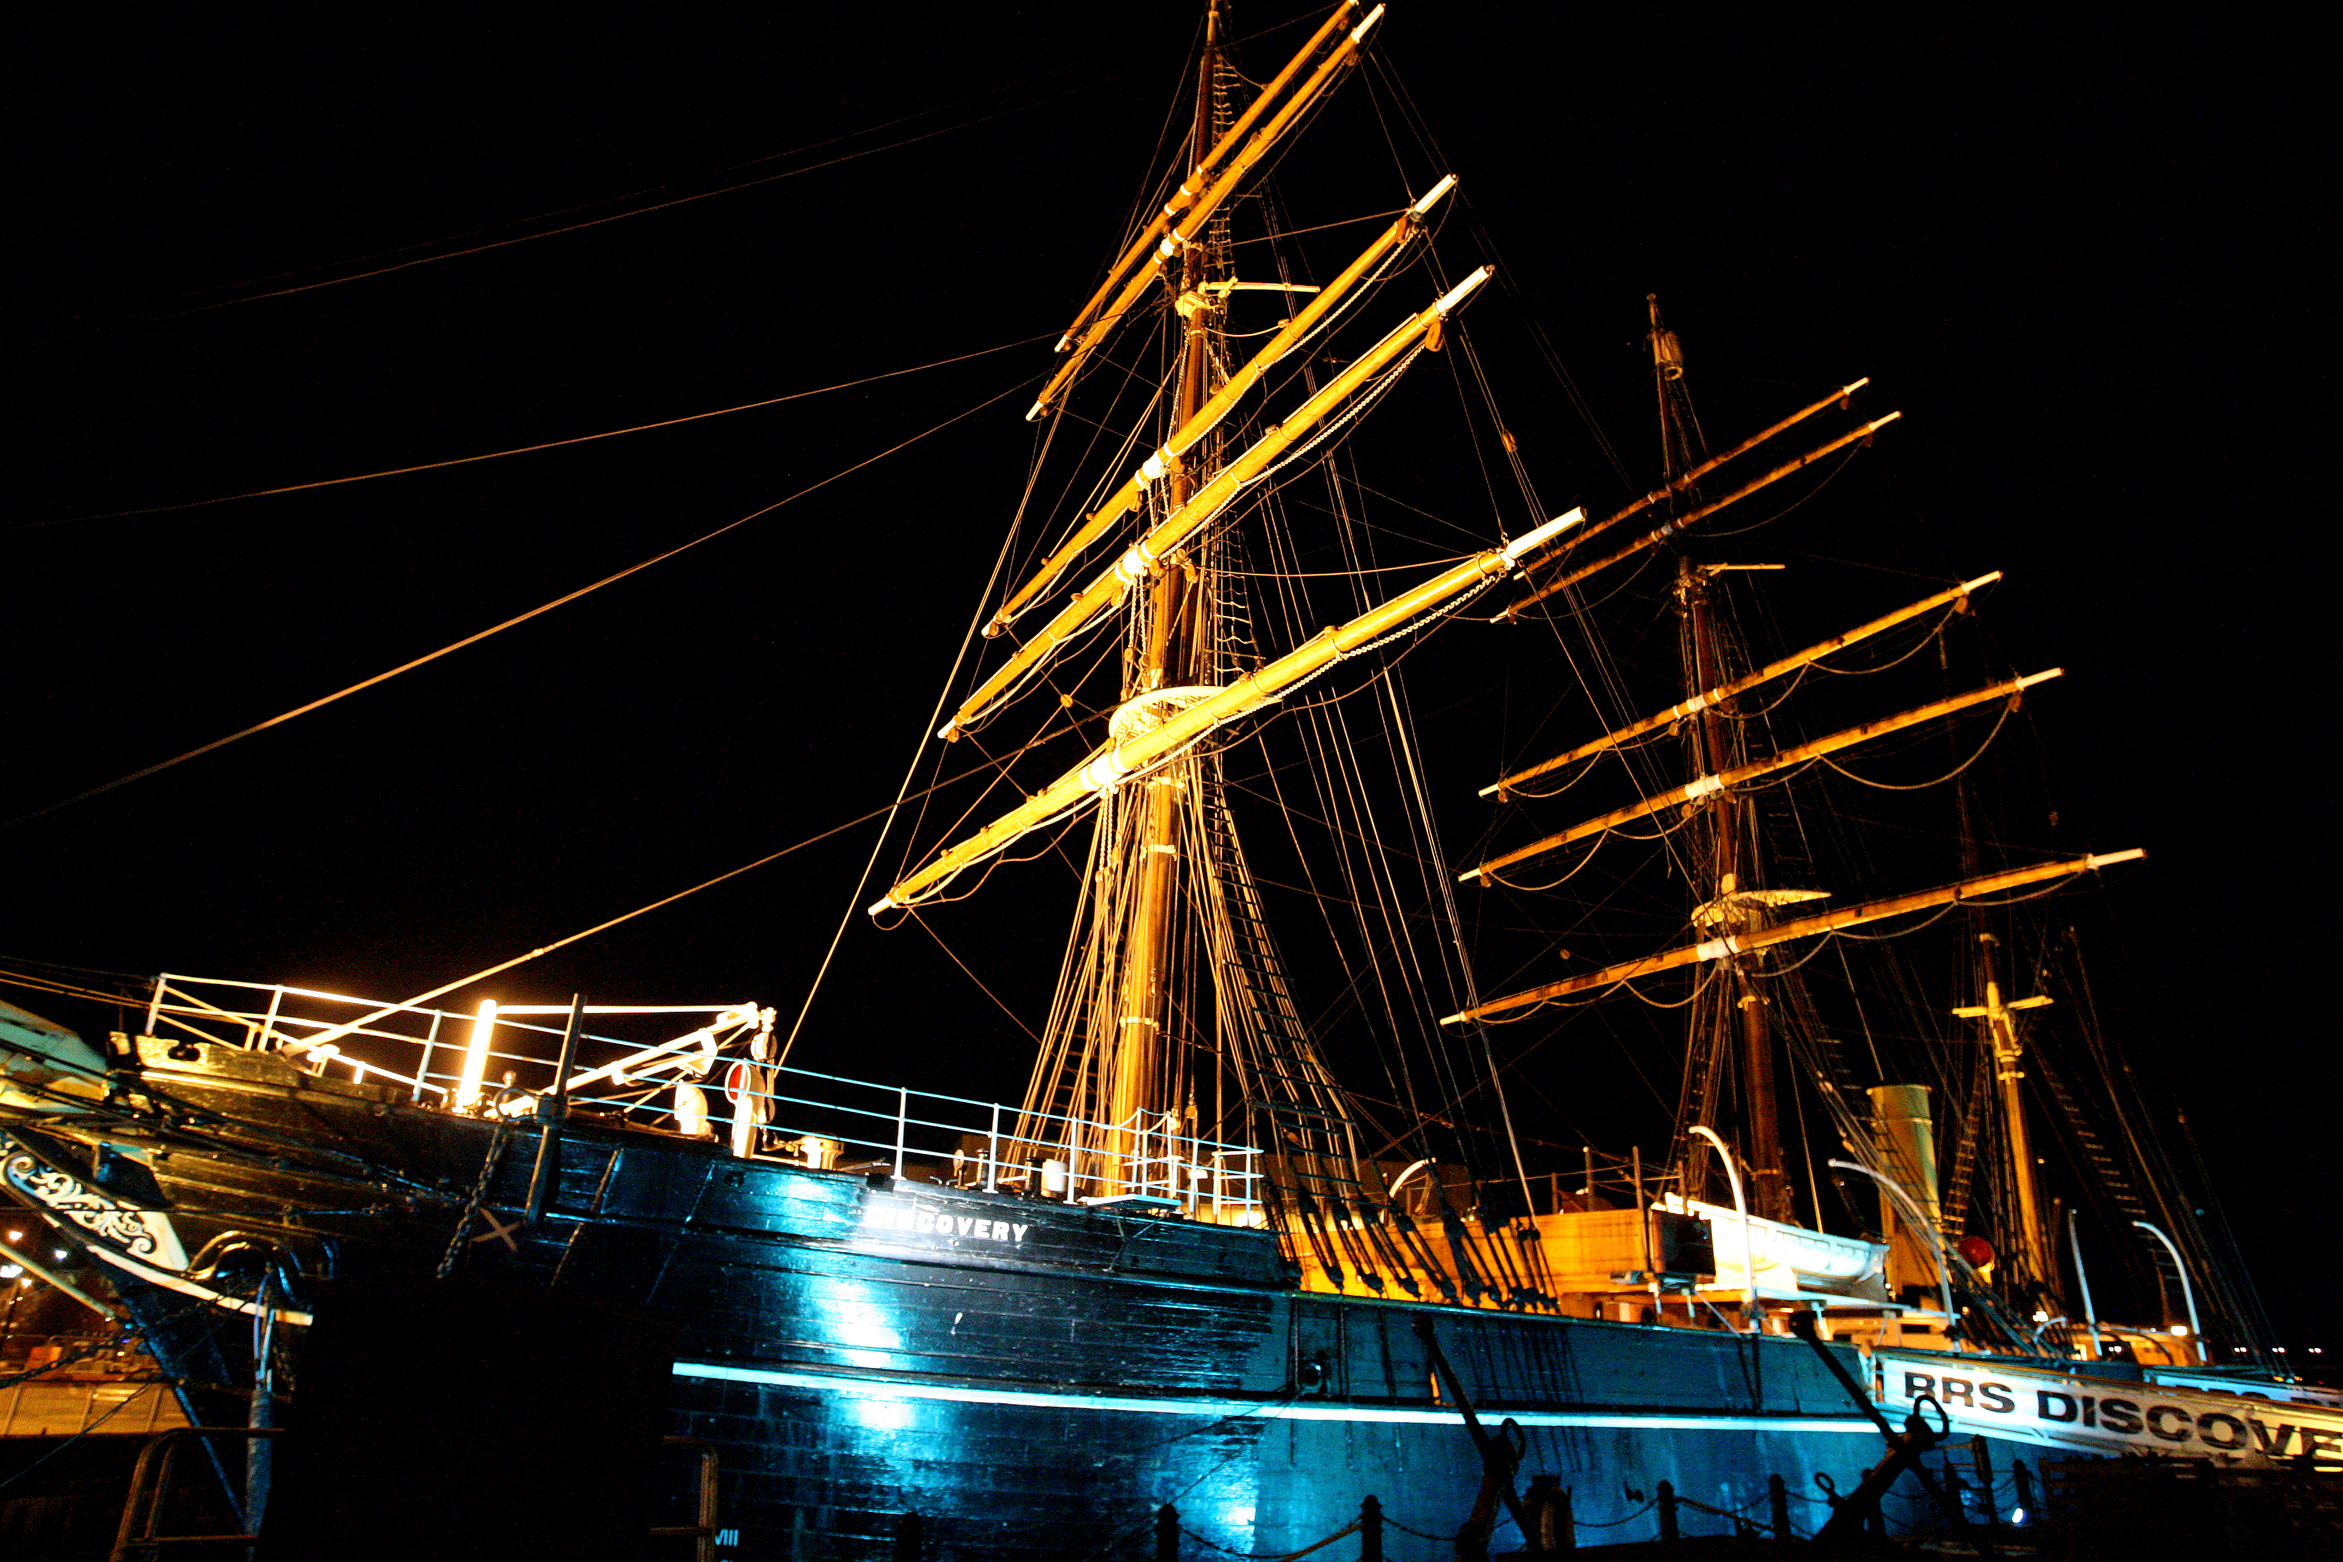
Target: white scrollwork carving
<point>145,1235</point>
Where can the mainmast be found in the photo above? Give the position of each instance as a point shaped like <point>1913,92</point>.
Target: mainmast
<point>1735,1021</point>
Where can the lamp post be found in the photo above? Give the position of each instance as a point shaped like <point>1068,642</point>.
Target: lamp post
<point>1920,1223</point>
<point>1749,1303</point>
<point>2188,1292</point>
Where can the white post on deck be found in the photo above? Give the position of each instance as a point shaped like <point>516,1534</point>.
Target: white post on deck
<point>992,1151</point>
<point>430,1049</point>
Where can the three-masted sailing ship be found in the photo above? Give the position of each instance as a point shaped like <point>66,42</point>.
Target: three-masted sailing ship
<point>1264,1213</point>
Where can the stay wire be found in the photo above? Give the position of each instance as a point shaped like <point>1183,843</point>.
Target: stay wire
<point>968,638</point>
<point>522,450</point>
<point>521,618</point>
<point>596,222</point>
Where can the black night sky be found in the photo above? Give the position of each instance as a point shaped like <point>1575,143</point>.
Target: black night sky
<point>2077,255</point>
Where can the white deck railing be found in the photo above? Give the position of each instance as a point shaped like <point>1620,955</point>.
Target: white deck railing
<point>709,1082</point>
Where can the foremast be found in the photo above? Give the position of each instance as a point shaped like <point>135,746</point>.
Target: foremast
<point>1172,1010</point>
<point>1168,643</point>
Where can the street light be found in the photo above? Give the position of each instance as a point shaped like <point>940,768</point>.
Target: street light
<point>1749,1304</point>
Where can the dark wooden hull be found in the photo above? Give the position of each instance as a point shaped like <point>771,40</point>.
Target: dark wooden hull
<point>1030,1378</point>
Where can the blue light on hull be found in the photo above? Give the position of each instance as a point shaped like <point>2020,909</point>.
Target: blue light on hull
<point>1278,1410</point>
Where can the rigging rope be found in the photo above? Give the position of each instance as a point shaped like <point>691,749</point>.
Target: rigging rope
<point>518,619</point>
<point>550,444</point>
<point>685,200</point>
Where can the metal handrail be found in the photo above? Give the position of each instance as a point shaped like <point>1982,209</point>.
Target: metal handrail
<point>142,1508</point>
<point>895,1125</point>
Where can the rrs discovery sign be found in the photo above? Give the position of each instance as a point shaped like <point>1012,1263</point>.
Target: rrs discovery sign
<point>897,1217</point>
<point>2099,1415</point>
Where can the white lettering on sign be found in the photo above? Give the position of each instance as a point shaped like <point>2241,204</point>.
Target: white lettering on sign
<point>927,1220</point>
<point>2141,1418</point>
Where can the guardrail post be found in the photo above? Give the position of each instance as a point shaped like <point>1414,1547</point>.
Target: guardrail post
<point>902,1121</point>
<point>430,1051</point>
<point>992,1152</point>
<point>1370,1530</point>
<point>1667,1501</point>
<point>2024,1482</point>
<point>1167,1534</point>
<point>910,1537</point>
<point>1777,1497</point>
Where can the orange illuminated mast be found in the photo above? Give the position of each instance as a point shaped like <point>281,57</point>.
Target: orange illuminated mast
<point>1564,575</point>
<point>1166,459</point>
<point>1163,728</point>
<point>1146,559</point>
<point>2001,1033</point>
<point>1695,791</point>
<point>1967,890</point>
<point>1956,596</point>
<point>1211,181</point>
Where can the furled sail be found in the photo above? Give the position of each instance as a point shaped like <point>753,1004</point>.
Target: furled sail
<point>1167,722</point>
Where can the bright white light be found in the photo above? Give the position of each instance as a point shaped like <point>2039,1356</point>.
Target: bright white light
<point>57,1252</point>
<point>883,1415</point>
<point>10,1271</point>
<point>16,1236</point>
<point>2180,1329</point>
<point>2041,1317</point>
<point>476,1058</point>
<point>2017,1515</point>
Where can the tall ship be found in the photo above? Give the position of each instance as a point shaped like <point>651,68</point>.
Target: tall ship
<point>1285,1216</point>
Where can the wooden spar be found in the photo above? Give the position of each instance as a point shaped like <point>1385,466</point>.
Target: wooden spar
<point>1199,510</point>
<point>1803,927</point>
<point>1116,762</point>
<point>1679,483</point>
<point>1200,176</point>
<point>1189,221</point>
<point>1651,538</point>
<point>1724,781</point>
<point>1207,417</point>
<point>1725,691</point>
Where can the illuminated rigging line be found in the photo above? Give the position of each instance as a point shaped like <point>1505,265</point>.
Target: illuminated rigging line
<point>462,982</point>
<point>522,450</point>
<point>1921,786</point>
<point>521,618</point>
<point>972,976</point>
<point>596,222</point>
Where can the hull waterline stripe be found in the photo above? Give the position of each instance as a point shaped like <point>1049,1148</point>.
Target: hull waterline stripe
<point>1267,1410</point>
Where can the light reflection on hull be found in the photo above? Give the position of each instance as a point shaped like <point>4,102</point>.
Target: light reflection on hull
<point>1039,1395</point>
